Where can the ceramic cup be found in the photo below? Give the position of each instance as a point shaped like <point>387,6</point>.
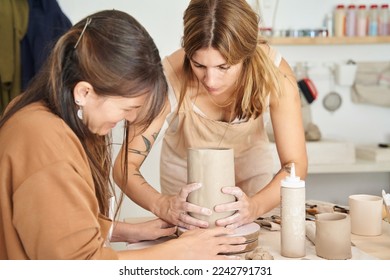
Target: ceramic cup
<point>214,168</point>
<point>333,236</point>
<point>366,214</point>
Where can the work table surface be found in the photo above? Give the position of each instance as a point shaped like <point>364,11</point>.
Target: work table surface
<point>363,247</point>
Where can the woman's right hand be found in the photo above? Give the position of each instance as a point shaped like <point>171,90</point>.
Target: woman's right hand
<point>174,209</point>
<point>197,244</point>
<point>208,244</point>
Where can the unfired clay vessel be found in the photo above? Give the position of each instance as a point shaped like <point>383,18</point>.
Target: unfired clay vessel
<point>214,168</point>
<point>366,214</point>
<point>333,236</point>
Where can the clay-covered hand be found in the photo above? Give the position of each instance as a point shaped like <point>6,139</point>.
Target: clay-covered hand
<point>208,244</point>
<point>242,207</point>
<point>175,208</point>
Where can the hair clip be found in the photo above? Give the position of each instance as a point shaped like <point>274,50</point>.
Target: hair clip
<point>88,21</point>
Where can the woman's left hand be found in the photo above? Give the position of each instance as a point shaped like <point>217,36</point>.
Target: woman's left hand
<point>155,229</point>
<point>242,206</point>
<point>148,230</point>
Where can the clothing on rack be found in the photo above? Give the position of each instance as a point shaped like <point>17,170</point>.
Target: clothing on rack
<point>46,24</point>
<point>13,26</point>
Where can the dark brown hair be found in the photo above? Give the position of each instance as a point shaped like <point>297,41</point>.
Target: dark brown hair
<point>117,56</point>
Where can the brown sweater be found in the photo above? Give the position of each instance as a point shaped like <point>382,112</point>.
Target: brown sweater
<point>48,207</point>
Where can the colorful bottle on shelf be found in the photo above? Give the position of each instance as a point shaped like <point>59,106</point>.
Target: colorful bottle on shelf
<point>383,19</point>
<point>350,21</point>
<point>373,20</point>
<point>339,21</point>
<point>361,21</point>
<point>293,216</point>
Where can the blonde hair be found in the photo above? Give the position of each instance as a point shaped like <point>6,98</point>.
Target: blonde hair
<point>231,27</point>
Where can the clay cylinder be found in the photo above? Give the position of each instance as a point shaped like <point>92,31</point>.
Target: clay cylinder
<point>366,214</point>
<point>214,168</point>
<point>333,236</point>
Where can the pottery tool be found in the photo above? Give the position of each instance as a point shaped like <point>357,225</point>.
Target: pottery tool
<point>313,209</point>
<point>270,223</point>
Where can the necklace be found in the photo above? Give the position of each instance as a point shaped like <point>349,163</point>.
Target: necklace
<point>226,104</point>
<point>225,108</point>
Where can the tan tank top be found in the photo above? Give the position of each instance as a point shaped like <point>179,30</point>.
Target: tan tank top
<point>191,129</point>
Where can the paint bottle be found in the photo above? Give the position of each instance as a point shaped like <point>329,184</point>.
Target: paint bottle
<point>383,28</point>
<point>373,20</point>
<point>339,21</point>
<point>293,216</point>
<point>361,21</point>
<point>350,21</point>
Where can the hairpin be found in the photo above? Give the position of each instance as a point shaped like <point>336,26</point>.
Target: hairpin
<point>88,21</point>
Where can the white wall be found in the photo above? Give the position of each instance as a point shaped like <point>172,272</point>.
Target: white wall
<point>162,18</point>
<point>355,123</point>
<point>352,122</point>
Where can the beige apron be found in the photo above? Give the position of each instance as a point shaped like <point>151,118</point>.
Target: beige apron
<point>253,159</point>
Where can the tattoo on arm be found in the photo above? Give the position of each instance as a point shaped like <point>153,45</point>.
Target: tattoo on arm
<point>148,146</point>
<point>138,174</point>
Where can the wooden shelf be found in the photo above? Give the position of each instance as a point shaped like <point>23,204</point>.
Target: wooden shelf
<point>329,40</point>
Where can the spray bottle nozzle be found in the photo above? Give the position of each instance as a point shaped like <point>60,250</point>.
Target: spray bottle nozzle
<point>292,176</point>
<point>292,172</point>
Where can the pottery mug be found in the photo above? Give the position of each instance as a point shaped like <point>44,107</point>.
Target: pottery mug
<point>333,236</point>
<point>366,214</point>
<point>214,168</point>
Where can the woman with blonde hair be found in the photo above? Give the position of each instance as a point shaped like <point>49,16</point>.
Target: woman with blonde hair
<point>55,150</point>
<point>223,84</point>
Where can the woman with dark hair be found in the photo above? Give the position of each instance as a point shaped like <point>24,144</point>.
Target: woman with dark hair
<point>55,149</point>
<point>223,84</point>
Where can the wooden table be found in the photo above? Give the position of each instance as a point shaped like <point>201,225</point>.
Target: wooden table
<point>377,246</point>
<point>363,248</point>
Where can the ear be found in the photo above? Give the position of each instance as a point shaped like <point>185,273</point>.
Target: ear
<point>80,92</point>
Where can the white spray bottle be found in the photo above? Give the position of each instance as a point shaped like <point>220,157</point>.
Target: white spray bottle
<point>293,216</point>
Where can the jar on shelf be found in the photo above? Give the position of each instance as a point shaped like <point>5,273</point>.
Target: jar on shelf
<point>339,21</point>
<point>373,20</point>
<point>329,24</point>
<point>361,21</point>
<point>350,21</point>
<point>383,19</point>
